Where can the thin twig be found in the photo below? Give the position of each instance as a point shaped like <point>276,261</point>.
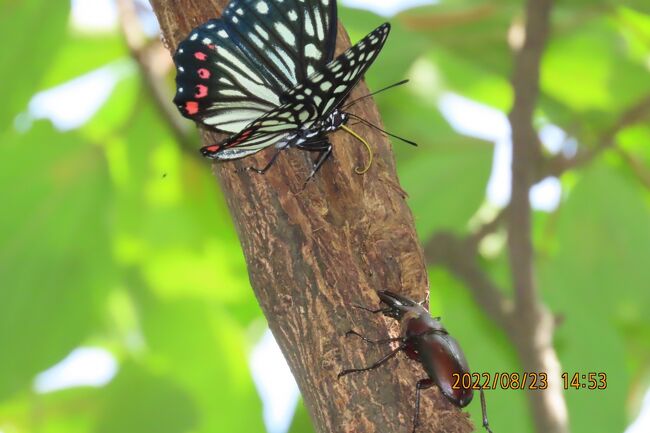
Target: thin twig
<point>534,324</point>
<point>635,114</point>
<point>641,172</point>
<point>460,257</point>
<point>487,229</point>
<point>153,62</point>
<point>527,321</point>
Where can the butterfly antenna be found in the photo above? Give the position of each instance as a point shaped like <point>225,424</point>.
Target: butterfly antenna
<point>359,170</point>
<point>351,103</point>
<point>383,131</point>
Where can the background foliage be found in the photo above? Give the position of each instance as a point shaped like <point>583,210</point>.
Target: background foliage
<point>113,235</point>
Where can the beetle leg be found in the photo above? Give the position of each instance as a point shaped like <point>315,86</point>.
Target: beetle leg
<point>422,384</point>
<point>484,412</point>
<point>376,364</point>
<point>370,310</point>
<point>382,341</point>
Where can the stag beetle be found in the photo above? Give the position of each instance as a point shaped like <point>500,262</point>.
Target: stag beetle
<point>425,340</point>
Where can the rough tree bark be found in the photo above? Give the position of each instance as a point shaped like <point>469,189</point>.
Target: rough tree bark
<point>312,254</point>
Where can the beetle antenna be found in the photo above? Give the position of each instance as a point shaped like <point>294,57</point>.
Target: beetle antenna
<point>354,101</point>
<point>383,131</point>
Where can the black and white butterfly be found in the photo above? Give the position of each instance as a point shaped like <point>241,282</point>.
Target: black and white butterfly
<point>265,72</point>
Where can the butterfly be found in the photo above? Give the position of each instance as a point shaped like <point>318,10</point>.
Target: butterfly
<point>265,72</point>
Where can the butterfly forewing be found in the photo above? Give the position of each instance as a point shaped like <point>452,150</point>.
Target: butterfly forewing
<point>310,102</point>
<point>287,39</point>
<point>217,84</point>
<point>323,91</point>
<point>328,88</point>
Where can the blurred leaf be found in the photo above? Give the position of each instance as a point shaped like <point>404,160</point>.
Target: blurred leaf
<point>82,53</point>
<point>400,51</point>
<point>114,117</point>
<point>588,70</point>
<point>475,31</point>
<point>463,76</point>
<point>54,261</point>
<point>599,272</point>
<point>635,140</point>
<point>204,350</point>
<point>301,421</point>
<point>447,188</point>
<point>67,411</point>
<point>32,31</point>
<point>172,221</point>
<point>139,401</point>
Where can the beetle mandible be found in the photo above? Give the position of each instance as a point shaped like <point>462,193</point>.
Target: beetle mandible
<point>425,340</point>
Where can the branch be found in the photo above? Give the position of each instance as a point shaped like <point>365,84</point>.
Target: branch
<point>559,165</point>
<point>638,168</point>
<point>459,256</point>
<point>313,253</point>
<point>154,63</point>
<point>526,151</point>
<point>441,20</point>
<point>526,321</point>
<point>533,333</point>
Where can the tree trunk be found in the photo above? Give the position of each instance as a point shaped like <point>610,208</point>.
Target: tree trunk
<point>312,254</point>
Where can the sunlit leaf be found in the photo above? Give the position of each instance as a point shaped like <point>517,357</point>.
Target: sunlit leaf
<point>54,260</point>
<point>32,31</point>
<point>140,401</point>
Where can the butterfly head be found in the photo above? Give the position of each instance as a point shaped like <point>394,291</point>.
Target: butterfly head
<point>335,120</point>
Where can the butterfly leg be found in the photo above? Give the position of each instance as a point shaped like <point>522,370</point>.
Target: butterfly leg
<point>268,165</point>
<point>325,153</point>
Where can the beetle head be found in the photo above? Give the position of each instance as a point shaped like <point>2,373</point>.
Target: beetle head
<point>398,305</point>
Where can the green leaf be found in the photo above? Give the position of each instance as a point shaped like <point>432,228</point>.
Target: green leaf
<point>33,32</point>
<point>599,275</point>
<point>574,74</point>
<point>142,402</point>
<point>301,421</point>
<point>54,257</point>
<point>83,53</point>
<point>201,348</point>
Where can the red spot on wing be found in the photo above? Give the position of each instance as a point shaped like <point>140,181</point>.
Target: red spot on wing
<point>243,136</point>
<point>201,56</point>
<point>214,148</point>
<point>192,107</point>
<point>204,73</point>
<point>201,91</point>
